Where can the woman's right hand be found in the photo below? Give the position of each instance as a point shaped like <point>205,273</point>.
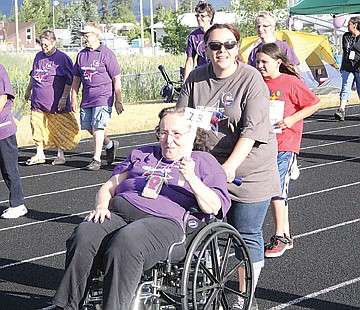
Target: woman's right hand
<point>98,215</point>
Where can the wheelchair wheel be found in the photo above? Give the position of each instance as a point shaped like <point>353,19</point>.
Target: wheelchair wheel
<point>210,275</point>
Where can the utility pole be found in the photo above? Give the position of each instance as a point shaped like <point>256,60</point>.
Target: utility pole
<point>17,26</point>
<point>141,27</point>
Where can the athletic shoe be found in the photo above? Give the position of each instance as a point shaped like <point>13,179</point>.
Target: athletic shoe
<point>239,304</point>
<point>111,153</point>
<point>94,165</point>
<point>340,115</point>
<point>14,213</point>
<point>277,246</point>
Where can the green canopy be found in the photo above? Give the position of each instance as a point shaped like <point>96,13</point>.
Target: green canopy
<point>317,7</point>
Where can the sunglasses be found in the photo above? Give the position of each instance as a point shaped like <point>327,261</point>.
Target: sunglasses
<point>215,46</point>
<point>202,16</point>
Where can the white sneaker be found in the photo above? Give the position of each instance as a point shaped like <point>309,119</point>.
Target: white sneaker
<point>13,213</point>
<point>238,304</point>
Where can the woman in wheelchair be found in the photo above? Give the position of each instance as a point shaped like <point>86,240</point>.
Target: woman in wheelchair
<point>139,214</point>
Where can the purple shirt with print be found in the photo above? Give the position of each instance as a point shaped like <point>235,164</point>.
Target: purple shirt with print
<point>49,76</point>
<point>7,124</point>
<point>97,68</point>
<point>196,46</point>
<point>173,200</point>
<point>286,48</point>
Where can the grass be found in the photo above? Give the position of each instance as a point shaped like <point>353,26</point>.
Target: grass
<point>142,117</point>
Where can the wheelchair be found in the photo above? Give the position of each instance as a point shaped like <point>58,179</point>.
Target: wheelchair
<point>172,88</point>
<point>199,274</point>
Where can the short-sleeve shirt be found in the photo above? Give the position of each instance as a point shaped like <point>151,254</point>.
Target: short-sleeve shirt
<point>296,95</point>
<point>196,46</point>
<point>97,68</point>
<point>7,124</point>
<point>240,107</point>
<point>350,43</point>
<point>49,76</point>
<point>285,47</point>
<point>173,200</point>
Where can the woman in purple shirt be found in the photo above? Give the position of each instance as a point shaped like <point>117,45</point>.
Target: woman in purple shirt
<point>53,123</point>
<point>139,213</point>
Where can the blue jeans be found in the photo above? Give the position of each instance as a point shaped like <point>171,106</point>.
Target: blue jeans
<point>96,117</point>
<point>347,82</point>
<point>248,219</point>
<point>10,171</point>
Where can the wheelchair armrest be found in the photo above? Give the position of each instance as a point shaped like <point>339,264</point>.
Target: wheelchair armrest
<point>195,210</point>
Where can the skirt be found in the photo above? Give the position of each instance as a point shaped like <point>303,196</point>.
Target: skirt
<point>55,130</point>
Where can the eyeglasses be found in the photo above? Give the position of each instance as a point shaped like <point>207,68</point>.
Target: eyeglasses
<point>215,46</point>
<point>202,16</point>
<point>175,135</point>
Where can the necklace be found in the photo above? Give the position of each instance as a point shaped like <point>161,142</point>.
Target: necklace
<point>155,181</point>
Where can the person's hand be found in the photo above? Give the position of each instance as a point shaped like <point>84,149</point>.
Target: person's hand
<point>73,105</point>
<point>119,107</point>
<point>230,172</point>
<point>62,104</point>
<point>98,215</point>
<point>187,168</point>
<point>27,95</point>
<point>287,122</point>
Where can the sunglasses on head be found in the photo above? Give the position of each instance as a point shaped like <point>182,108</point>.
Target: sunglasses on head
<point>215,46</point>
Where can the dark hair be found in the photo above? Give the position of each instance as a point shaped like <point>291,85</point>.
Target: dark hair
<point>48,35</point>
<point>355,20</point>
<point>203,6</point>
<point>275,52</point>
<point>230,27</point>
<point>200,143</point>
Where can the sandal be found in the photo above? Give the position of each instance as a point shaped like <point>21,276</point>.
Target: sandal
<point>58,161</point>
<point>35,161</point>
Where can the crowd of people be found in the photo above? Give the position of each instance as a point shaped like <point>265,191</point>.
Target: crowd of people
<point>243,143</point>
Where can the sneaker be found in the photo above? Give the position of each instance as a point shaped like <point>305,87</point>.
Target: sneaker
<point>239,304</point>
<point>111,153</point>
<point>340,115</point>
<point>290,242</point>
<point>14,213</point>
<point>94,165</point>
<point>277,246</point>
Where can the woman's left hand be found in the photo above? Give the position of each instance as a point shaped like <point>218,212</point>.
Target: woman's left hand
<point>98,215</point>
<point>187,168</point>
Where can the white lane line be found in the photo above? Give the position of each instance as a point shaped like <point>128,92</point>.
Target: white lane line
<point>60,191</point>
<point>330,163</point>
<point>315,294</point>
<point>53,219</point>
<point>31,260</point>
<point>327,144</point>
<point>325,190</point>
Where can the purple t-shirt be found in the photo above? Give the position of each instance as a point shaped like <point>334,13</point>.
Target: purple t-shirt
<point>286,48</point>
<point>7,124</point>
<point>97,68</point>
<point>173,200</point>
<point>196,46</point>
<point>49,75</point>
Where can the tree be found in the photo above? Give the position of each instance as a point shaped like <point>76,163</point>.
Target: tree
<point>123,11</point>
<point>176,39</point>
<point>247,10</point>
<point>38,11</point>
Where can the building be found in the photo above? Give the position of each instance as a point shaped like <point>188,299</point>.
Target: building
<point>27,36</point>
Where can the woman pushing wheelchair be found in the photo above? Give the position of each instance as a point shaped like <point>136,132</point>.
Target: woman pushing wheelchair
<point>139,213</point>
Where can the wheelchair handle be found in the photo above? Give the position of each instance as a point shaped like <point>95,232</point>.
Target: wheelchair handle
<point>237,181</point>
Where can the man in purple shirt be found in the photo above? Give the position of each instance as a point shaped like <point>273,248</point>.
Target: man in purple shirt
<point>265,24</point>
<point>96,67</point>
<point>204,13</point>
<point>8,150</point>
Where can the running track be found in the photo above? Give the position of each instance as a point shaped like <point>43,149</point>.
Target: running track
<point>321,272</point>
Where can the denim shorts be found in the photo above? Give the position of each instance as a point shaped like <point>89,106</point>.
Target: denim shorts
<point>96,117</point>
<point>248,219</point>
<point>285,161</point>
<point>347,83</point>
